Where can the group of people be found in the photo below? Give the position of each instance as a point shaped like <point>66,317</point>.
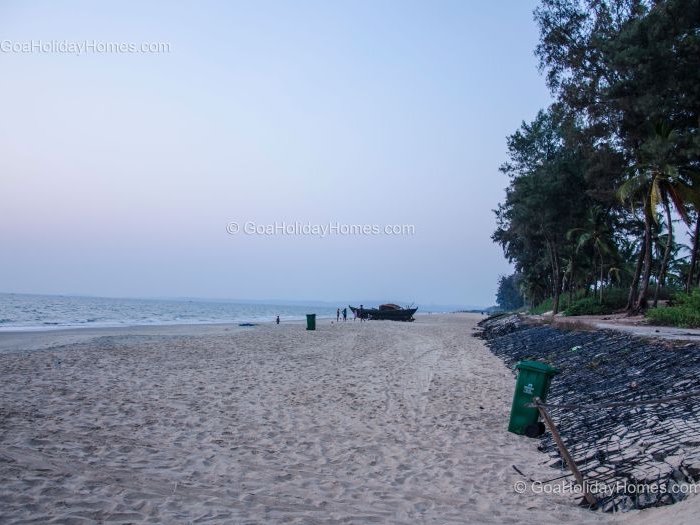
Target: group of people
<point>358,312</point>
<point>338,313</point>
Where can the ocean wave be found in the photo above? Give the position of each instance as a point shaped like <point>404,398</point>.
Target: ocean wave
<point>40,312</point>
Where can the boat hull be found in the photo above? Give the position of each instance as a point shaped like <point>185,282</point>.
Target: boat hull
<point>375,314</point>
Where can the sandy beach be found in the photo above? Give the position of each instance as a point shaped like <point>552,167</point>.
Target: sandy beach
<point>375,422</point>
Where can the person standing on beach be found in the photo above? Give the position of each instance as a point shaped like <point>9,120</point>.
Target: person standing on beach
<point>360,315</point>
<point>278,319</point>
<point>337,316</point>
<point>345,314</point>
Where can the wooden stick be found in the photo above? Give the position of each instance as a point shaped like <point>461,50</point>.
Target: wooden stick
<point>590,498</point>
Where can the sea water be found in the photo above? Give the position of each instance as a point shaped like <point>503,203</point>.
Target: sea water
<point>51,312</point>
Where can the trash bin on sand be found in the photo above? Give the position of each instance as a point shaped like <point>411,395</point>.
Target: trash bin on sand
<point>533,381</point>
<point>311,321</point>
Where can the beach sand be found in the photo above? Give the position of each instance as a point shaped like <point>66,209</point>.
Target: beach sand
<point>375,422</point>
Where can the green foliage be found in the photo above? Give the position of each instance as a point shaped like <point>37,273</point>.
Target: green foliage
<point>613,300</point>
<point>588,306</point>
<point>666,293</point>
<point>546,199</point>
<point>616,298</point>
<point>625,125</point>
<point>685,313</point>
<point>508,295</point>
<point>543,307</point>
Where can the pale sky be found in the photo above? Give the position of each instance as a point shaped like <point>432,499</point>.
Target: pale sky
<point>121,171</point>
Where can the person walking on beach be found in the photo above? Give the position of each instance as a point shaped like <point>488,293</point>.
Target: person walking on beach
<point>345,314</point>
<point>278,319</point>
<point>360,315</point>
<point>337,316</point>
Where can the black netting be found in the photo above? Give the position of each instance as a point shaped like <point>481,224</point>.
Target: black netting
<point>637,456</point>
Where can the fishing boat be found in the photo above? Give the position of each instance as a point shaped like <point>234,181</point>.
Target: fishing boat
<point>385,312</point>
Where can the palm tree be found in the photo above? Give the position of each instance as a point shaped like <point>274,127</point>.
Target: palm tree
<point>695,240</point>
<point>657,181</point>
<point>668,246</point>
<point>595,233</point>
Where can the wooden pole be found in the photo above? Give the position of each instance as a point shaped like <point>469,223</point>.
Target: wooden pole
<point>590,498</point>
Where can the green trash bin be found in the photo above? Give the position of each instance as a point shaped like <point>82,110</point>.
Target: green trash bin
<point>311,321</point>
<point>533,381</point>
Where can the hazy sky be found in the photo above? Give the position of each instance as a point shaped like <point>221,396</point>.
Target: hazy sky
<point>120,171</point>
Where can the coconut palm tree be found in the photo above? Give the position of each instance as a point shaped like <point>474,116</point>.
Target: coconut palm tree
<point>657,181</point>
<point>694,240</point>
<point>596,233</point>
<point>668,246</point>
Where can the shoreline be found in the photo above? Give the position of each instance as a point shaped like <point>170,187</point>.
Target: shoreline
<point>19,341</point>
<point>12,341</point>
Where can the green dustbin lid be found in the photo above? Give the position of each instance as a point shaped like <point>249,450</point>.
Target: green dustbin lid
<point>537,367</point>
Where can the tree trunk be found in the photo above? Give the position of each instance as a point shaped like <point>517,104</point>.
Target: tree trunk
<point>571,283</point>
<point>557,289</point>
<point>601,276</point>
<point>647,265</point>
<point>693,255</point>
<point>557,280</point>
<point>556,276</point>
<point>632,298</point>
<point>667,254</point>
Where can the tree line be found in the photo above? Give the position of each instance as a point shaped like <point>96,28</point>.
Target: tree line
<point>600,180</point>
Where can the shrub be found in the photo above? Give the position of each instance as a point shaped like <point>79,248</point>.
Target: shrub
<point>545,306</point>
<point>616,298</point>
<point>588,306</point>
<point>613,299</point>
<point>685,313</point>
